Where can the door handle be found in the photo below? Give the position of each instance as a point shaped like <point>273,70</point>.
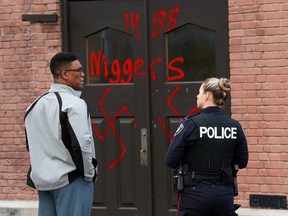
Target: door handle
<point>143,151</point>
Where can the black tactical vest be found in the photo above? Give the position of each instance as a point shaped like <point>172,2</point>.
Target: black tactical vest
<point>214,149</point>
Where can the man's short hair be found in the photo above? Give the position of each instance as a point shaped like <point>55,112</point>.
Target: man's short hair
<point>60,62</point>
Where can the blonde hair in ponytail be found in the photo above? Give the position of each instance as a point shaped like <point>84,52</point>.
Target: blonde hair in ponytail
<point>219,89</point>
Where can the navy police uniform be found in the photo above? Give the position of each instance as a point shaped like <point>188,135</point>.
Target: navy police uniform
<point>209,143</point>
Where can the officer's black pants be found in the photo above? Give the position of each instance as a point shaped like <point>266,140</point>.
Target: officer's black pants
<point>206,198</point>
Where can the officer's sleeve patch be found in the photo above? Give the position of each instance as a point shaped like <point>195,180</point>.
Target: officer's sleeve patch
<point>180,128</point>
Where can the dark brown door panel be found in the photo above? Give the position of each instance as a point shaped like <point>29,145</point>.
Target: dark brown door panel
<point>144,62</point>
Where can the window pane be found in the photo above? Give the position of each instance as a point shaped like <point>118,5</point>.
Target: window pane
<point>109,57</point>
<point>191,53</point>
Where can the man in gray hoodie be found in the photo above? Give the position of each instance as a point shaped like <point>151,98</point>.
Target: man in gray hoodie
<point>60,143</point>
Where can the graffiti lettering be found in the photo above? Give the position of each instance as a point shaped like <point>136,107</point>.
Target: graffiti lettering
<point>180,72</point>
<point>153,75</point>
<point>124,73</point>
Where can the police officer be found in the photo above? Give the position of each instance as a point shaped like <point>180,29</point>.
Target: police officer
<point>208,144</point>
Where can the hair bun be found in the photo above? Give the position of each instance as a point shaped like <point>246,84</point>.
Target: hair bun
<point>224,84</point>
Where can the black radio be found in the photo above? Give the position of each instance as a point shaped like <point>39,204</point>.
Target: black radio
<point>178,180</point>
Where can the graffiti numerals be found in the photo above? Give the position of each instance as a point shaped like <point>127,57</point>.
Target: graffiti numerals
<point>133,20</point>
<point>162,17</point>
<point>162,20</point>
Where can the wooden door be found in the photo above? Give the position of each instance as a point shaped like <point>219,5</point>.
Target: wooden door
<point>188,41</point>
<point>144,62</point>
<point>116,92</point>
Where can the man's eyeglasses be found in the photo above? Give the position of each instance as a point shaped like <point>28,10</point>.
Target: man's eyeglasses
<point>79,70</point>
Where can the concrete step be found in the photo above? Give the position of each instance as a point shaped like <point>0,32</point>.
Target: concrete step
<point>18,208</point>
<point>261,212</point>
<point>29,208</point>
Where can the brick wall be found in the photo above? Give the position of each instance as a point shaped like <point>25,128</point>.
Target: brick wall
<point>25,49</point>
<point>259,73</point>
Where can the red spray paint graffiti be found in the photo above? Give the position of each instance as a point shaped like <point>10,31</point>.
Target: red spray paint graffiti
<point>161,17</point>
<point>117,72</point>
<point>162,20</point>
<point>110,125</point>
<point>124,73</point>
<point>125,109</point>
<point>162,123</point>
<point>133,20</point>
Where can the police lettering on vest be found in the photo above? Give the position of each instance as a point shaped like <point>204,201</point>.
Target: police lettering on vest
<point>224,133</point>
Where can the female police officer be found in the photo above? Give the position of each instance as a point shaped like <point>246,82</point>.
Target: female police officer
<point>209,144</point>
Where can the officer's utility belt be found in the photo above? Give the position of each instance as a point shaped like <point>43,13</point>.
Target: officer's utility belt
<point>204,176</point>
<point>192,177</point>
<point>184,177</point>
